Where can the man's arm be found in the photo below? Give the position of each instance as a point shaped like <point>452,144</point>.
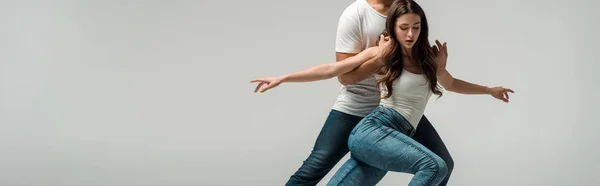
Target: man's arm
<point>340,56</point>
<point>361,72</point>
<point>348,41</point>
<point>366,69</point>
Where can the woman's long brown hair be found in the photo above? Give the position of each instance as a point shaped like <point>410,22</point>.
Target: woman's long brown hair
<point>422,53</point>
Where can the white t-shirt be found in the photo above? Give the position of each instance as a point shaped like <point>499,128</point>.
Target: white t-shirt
<point>359,28</point>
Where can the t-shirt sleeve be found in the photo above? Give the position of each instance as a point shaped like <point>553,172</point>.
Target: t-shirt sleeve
<point>348,37</point>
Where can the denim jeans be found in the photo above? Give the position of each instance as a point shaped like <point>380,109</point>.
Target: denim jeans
<point>332,145</point>
<point>382,140</point>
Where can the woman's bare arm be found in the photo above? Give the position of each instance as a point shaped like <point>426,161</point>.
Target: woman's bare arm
<point>319,72</point>
<point>462,87</point>
<point>330,70</point>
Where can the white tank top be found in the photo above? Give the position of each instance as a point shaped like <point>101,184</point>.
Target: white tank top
<point>410,95</point>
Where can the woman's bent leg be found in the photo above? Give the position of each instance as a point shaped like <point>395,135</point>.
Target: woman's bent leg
<point>388,149</point>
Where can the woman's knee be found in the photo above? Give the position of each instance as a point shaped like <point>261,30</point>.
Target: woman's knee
<point>448,160</point>
<point>440,166</point>
<point>436,166</point>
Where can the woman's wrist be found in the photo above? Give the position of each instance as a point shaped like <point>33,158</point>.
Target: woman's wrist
<point>487,90</point>
<point>284,78</point>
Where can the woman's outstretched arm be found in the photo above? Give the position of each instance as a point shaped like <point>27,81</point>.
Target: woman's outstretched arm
<point>323,71</point>
<point>459,86</point>
<point>330,70</point>
<point>462,87</point>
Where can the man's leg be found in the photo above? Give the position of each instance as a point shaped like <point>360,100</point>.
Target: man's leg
<point>428,137</point>
<point>330,147</point>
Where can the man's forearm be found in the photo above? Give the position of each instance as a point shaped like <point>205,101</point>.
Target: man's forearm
<point>361,72</point>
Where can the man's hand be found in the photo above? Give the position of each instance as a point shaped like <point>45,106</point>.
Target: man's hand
<point>383,44</point>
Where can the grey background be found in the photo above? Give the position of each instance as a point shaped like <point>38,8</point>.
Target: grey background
<point>115,93</point>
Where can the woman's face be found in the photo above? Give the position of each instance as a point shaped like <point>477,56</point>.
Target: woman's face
<point>407,29</point>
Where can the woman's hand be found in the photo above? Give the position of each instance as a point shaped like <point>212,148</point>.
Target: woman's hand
<point>441,54</point>
<point>271,82</point>
<point>500,93</point>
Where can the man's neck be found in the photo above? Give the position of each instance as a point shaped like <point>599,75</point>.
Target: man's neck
<point>381,6</point>
<point>386,3</point>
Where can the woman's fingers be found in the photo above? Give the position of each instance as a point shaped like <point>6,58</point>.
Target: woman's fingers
<point>258,86</point>
<point>269,86</point>
<point>257,80</point>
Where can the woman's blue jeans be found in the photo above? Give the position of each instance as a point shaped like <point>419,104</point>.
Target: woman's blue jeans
<point>382,142</point>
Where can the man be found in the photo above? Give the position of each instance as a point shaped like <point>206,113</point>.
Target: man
<point>359,27</point>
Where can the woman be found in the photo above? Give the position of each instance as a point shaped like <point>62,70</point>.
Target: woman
<point>408,71</point>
